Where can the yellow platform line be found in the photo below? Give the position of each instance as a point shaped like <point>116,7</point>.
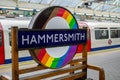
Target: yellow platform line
<point>103,51</point>
<point>100,51</point>
<point>20,64</point>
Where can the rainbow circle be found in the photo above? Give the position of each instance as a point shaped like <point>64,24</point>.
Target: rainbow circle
<point>40,21</point>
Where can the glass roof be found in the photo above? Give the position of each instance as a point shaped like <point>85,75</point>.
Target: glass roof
<point>102,5</point>
<point>34,1</point>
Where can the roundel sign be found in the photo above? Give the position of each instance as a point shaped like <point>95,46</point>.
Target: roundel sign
<point>54,18</point>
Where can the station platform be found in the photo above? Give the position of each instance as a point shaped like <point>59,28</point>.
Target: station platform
<point>109,60</point>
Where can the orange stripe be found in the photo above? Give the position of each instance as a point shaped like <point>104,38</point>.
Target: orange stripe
<point>45,58</point>
<point>65,15</point>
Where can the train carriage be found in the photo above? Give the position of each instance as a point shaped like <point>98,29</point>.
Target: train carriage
<point>5,39</point>
<point>101,35</point>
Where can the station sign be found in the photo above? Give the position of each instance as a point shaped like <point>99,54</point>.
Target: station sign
<point>53,37</point>
<point>28,39</point>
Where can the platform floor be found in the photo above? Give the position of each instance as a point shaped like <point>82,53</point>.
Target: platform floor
<point>107,59</point>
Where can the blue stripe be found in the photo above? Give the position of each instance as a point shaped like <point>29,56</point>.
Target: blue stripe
<point>7,61</point>
<point>105,47</point>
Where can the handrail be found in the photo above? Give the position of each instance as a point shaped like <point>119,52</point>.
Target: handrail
<point>101,71</point>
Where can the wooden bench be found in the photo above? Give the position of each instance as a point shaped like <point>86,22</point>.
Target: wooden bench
<point>72,69</point>
<point>74,65</point>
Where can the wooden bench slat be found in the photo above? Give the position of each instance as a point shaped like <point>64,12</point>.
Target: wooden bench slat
<point>71,76</point>
<point>57,72</point>
<point>22,71</point>
<point>36,68</point>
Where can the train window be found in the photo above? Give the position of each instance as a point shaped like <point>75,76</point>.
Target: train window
<point>118,33</point>
<point>100,28</point>
<point>0,38</point>
<point>101,33</point>
<point>115,32</point>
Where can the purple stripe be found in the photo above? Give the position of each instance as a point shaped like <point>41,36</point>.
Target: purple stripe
<point>70,55</point>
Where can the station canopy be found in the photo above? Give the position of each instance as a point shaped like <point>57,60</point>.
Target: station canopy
<point>102,5</point>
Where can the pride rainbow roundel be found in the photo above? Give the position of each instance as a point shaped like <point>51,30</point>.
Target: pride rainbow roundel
<point>54,18</point>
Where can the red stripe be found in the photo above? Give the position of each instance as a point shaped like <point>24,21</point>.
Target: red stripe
<point>61,12</point>
<point>41,54</point>
<point>2,52</point>
<point>79,49</point>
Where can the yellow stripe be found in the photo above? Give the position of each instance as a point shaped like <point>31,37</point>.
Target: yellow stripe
<point>49,62</point>
<point>69,18</point>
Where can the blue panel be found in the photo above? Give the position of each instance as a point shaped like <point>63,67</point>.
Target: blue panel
<point>50,38</point>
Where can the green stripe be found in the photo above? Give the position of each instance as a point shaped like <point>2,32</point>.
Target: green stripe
<point>72,22</point>
<point>55,62</point>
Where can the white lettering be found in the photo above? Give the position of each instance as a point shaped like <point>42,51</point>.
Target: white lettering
<point>53,38</point>
<point>41,38</point>
<point>78,36</point>
<point>61,38</point>
<point>48,38</point>
<point>82,37</point>
<point>70,36</point>
<point>56,37</point>
<point>33,40</point>
<point>65,36</point>
<point>25,39</point>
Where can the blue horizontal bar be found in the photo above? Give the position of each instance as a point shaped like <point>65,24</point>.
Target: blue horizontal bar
<point>7,61</point>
